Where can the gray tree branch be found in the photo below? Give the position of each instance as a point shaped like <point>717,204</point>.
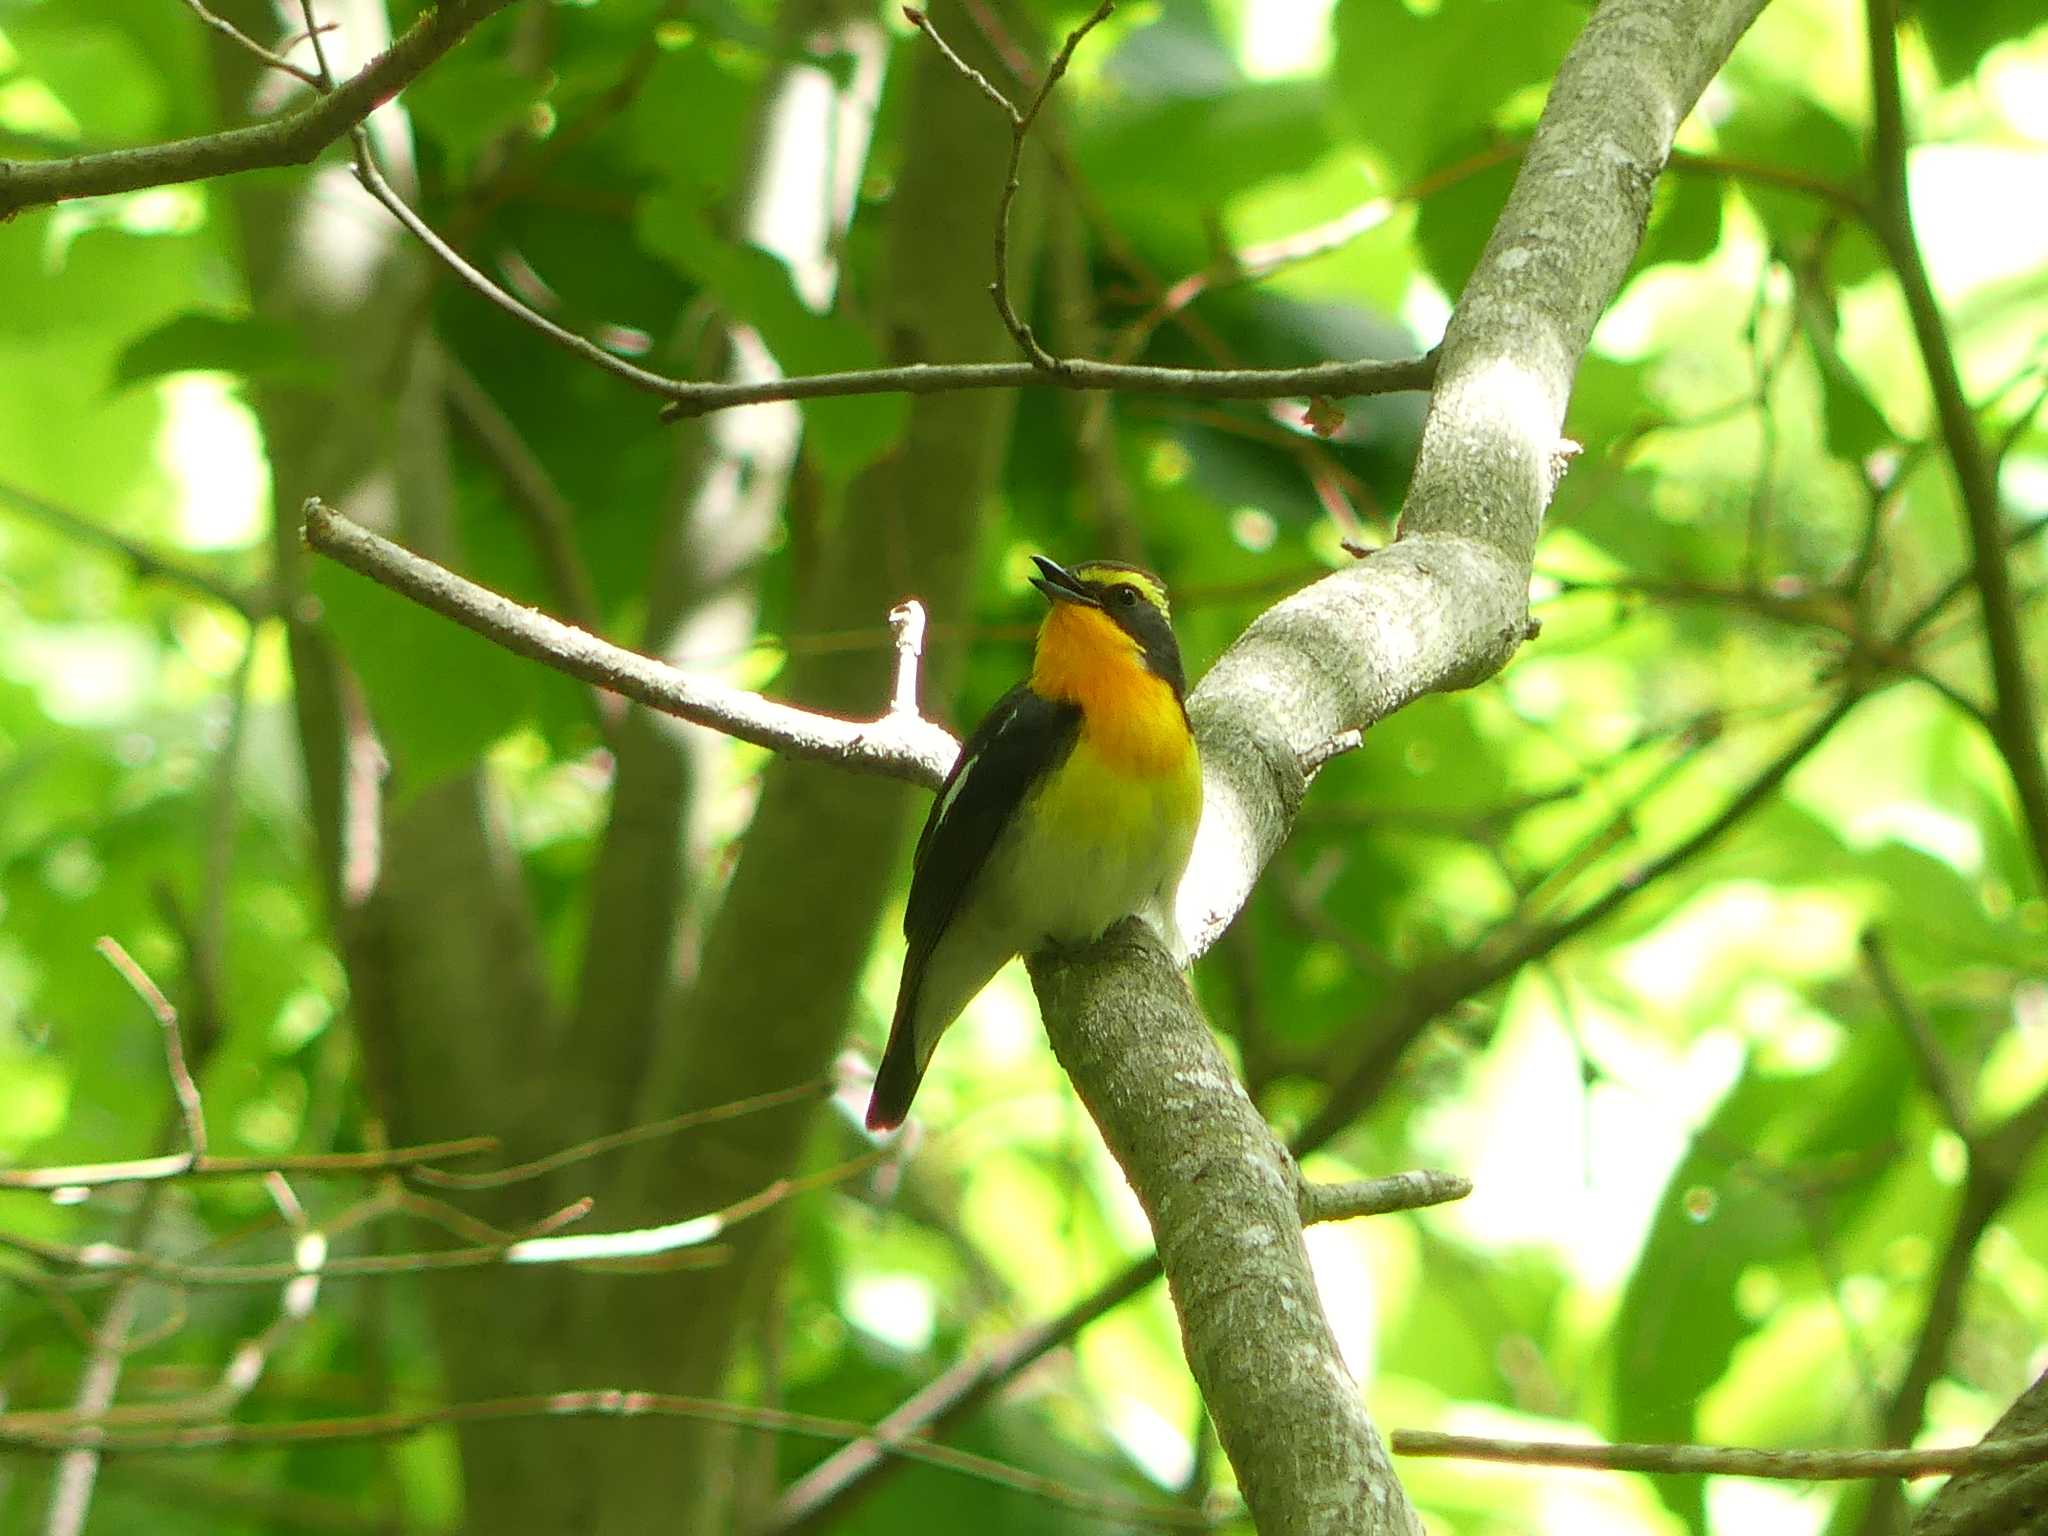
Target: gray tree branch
<point>900,744</point>
<point>1443,607</point>
<point>293,139</point>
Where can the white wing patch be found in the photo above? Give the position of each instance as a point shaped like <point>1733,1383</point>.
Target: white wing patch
<point>959,783</point>
<point>953,789</point>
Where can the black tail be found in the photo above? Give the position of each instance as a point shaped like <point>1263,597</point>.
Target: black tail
<point>903,1064</point>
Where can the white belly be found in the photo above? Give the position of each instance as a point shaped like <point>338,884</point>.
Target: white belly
<point>1106,845</point>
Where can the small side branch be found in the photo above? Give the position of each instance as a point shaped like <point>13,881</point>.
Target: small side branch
<point>1021,122</point>
<point>183,1165</point>
<point>1413,1190</point>
<point>243,40</point>
<point>901,744</point>
<point>908,622</point>
<point>1729,1460</point>
<point>1338,380</point>
<point>183,1088</point>
<point>1319,756</point>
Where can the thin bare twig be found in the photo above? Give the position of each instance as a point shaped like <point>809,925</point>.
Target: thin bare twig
<point>918,19</point>
<point>1728,1460</point>
<point>690,397</point>
<point>1021,122</point>
<point>243,40</point>
<point>186,1091</point>
<point>145,562</point>
<point>612,1141</point>
<point>1337,380</point>
<point>677,1244</point>
<point>183,1165</point>
<point>71,1488</point>
<point>20,1433</point>
<point>419,1163</point>
<point>2013,725</point>
<point>324,74</point>
<point>1927,1052</point>
<point>898,745</point>
<point>95,1263</point>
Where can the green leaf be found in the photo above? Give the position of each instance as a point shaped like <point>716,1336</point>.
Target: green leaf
<point>1685,219</point>
<point>689,121</point>
<point>1959,35</point>
<point>842,435</point>
<point>1727,1209</point>
<point>200,342</point>
<point>1453,224</point>
<point>1220,144</point>
<point>1777,128</point>
<point>1855,426</point>
<point>95,70</point>
<point>1413,86</point>
<point>442,694</point>
<point>468,101</point>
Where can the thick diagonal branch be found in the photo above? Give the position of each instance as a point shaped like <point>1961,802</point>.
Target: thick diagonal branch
<point>1442,608</point>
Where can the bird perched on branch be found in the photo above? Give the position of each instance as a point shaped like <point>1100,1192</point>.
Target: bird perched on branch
<point>1072,805</point>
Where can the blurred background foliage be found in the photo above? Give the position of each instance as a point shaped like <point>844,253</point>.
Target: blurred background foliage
<point>1715,1190</point>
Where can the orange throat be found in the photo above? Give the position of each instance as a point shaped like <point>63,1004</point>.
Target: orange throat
<point>1129,715</point>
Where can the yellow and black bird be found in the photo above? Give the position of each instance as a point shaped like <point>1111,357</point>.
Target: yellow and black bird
<point>1072,805</point>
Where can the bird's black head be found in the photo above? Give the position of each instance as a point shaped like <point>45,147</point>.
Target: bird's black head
<point>1132,599</point>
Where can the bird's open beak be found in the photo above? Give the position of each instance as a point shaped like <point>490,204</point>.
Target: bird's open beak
<point>1061,585</point>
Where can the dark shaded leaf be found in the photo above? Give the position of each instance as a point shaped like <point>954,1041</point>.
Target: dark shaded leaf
<point>267,351</point>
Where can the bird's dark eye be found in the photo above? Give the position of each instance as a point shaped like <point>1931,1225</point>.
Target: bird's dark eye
<point>1127,596</point>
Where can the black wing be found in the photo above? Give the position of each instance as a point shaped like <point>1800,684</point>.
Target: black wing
<point>1019,741</point>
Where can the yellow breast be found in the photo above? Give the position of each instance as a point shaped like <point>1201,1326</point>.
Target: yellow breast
<point>1130,717</point>
<point>1101,842</point>
<point>1109,830</point>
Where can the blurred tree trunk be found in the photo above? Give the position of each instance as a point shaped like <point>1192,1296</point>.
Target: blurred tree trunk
<point>446,981</point>
<point>732,476</point>
<point>782,956</point>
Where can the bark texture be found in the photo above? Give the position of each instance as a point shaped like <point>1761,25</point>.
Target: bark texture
<point>2010,1502</point>
<point>1222,1196</point>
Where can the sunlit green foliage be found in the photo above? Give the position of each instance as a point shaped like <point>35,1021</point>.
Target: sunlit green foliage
<point>1713,1186</point>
